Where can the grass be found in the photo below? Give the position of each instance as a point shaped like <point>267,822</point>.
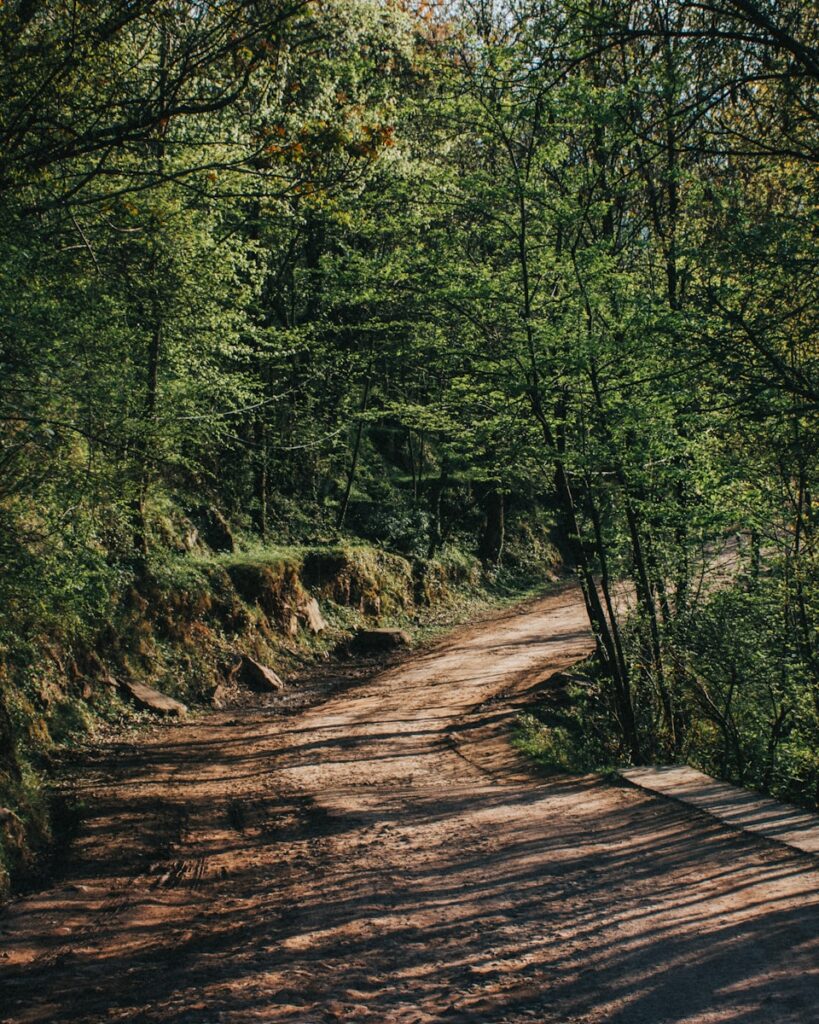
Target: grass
<point>427,625</point>
<point>570,730</point>
<point>250,554</point>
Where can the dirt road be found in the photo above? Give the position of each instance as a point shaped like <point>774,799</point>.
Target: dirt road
<point>384,857</point>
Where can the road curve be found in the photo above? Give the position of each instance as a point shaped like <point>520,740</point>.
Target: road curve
<point>384,857</point>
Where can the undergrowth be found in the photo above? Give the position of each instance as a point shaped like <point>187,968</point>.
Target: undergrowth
<point>571,729</point>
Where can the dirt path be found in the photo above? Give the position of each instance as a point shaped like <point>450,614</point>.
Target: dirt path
<point>384,857</point>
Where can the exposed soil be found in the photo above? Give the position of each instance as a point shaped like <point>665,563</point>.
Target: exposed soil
<point>384,856</point>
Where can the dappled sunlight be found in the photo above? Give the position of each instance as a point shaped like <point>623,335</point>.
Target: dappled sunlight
<point>354,863</point>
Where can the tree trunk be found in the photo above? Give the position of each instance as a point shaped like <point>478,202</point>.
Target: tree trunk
<point>345,501</point>
<point>436,534</point>
<point>494,533</point>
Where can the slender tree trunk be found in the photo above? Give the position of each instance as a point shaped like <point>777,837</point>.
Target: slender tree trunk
<point>436,533</point>
<point>154,352</point>
<point>151,398</point>
<point>601,627</point>
<point>345,501</point>
<point>494,534</point>
<point>605,579</point>
<point>413,469</point>
<point>642,581</point>
<point>261,483</point>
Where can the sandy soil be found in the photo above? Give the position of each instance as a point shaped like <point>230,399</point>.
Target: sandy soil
<point>385,857</point>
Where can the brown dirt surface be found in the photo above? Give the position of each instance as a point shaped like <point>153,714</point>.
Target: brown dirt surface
<point>385,857</point>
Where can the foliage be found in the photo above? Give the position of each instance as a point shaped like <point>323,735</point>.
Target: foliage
<point>504,278</point>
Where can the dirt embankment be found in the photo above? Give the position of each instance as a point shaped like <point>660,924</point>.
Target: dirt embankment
<point>386,857</point>
<point>183,635</point>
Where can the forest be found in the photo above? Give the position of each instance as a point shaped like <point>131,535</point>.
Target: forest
<point>496,290</point>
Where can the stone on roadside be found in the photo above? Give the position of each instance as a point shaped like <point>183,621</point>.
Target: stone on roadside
<point>219,696</point>
<point>310,613</point>
<point>147,697</point>
<point>259,677</point>
<point>377,640</point>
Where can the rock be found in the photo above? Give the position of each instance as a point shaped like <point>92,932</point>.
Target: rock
<point>310,613</point>
<point>380,639</point>
<point>11,826</point>
<point>219,696</point>
<point>359,579</point>
<point>274,587</point>
<point>259,677</point>
<point>153,700</point>
<point>190,538</point>
<point>89,672</point>
<point>213,529</point>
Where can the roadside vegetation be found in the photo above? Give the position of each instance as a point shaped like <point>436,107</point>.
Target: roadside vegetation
<point>469,294</point>
<point>183,629</point>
